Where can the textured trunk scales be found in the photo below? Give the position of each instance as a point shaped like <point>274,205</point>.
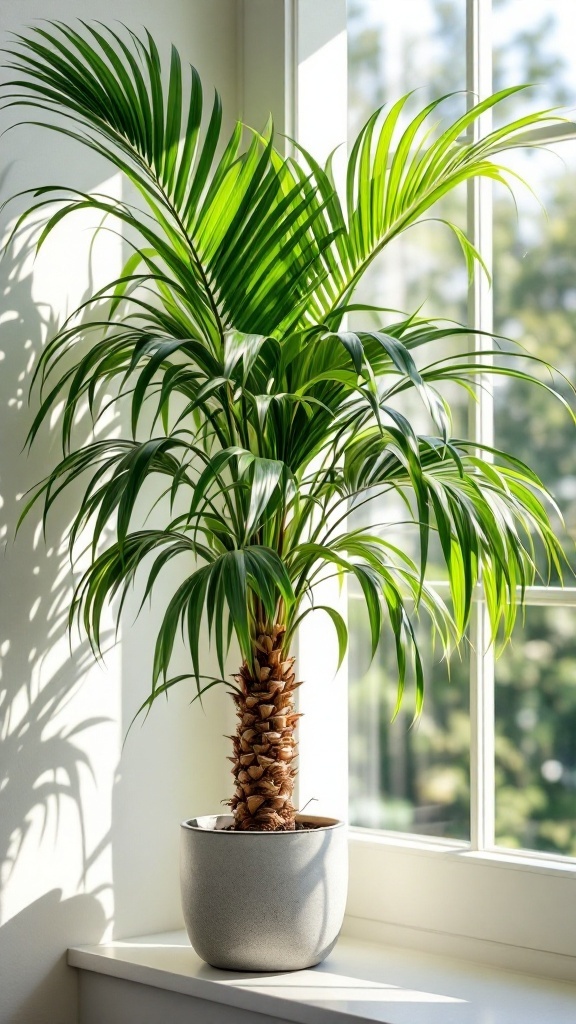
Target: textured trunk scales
<point>264,744</point>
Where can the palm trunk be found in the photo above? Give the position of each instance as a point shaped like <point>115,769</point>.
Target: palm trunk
<point>264,744</point>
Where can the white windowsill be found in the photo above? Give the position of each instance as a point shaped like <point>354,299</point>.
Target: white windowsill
<point>359,982</point>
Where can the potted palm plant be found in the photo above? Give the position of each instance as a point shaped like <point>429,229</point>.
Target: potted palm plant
<point>266,422</point>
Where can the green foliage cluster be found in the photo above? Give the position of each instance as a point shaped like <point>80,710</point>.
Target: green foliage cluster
<point>264,420</point>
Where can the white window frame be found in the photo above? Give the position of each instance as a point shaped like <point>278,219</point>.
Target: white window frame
<point>509,908</point>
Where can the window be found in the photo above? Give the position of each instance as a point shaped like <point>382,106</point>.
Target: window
<point>518,788</point>
<point>449,888</point>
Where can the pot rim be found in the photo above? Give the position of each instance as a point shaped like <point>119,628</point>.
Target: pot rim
<point>320,824</point>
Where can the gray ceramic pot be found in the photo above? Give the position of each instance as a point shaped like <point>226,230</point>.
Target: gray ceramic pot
<point>263,901</point>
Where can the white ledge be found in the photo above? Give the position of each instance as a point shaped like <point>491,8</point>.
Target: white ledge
<point>359,982</point>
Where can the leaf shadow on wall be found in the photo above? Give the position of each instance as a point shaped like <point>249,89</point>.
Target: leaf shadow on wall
<point>46,774</point>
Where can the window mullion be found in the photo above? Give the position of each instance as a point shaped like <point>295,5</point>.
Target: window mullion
<point>479,84</point>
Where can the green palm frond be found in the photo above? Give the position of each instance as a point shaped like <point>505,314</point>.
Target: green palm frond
<point>257,419</point>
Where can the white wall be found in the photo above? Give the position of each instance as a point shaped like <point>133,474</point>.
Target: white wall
<point>88,833</point>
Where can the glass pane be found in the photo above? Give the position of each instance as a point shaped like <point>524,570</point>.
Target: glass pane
<point>535,734</point>
<point>423,270</point>
<point>388,46</point>
<point>535,303</point>
<point>534,43</point>
<point>393,48</point>
<point>403,776</point>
